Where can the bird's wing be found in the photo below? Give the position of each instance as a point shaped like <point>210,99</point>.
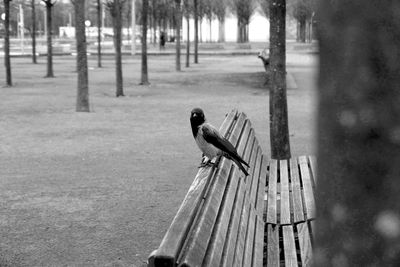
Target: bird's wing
<point>212,136</point>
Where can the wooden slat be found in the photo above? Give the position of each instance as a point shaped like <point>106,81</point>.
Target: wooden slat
<point>250,177</point>
<point>174,239</point>
<point>226,124</point>
<point>258,243</point>
<point>219,235</point>
<point>307,188</point>
<point>256,175</point>
<point>261,186</point>
<point>312,225</point>
<point>272,245</point>
<point>272,185</point>
<point>297,199</point>
<point>305,244</point>
<point>249,244</point>
<point>289,246</point>
<point>285,204</point>
<point>233,230</point>
<point>244,220</point>
<point>237,130</point>
<point>313,164</point>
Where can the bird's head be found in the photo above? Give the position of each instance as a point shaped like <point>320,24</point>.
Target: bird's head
<point>196,119</point>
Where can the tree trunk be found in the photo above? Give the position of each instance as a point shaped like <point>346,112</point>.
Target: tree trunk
<point>221,30</point>
<point>358,200</point>
<point>196,32</point>
<point>7,61</point>
<point>178,20</point>
<point>210,23</point>
<point>279,127</point>
<point>50,72</point>
<point>144,77</point>
<point>118,43</point>
<point>33,32</point>
<point>99,33</point>
<point>82,99</point>
<point>302,30</point>
<point>187,41</point>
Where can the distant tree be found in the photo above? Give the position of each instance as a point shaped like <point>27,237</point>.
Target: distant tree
<point>187,10</point>
<point>33,31</point>
<point>178,19</point>
<point>279,127</point>
<point>208,8</point>
<point>49,5</point>
<point>196,30</point>
<point>99,18</point>
<point>82,98</point>
<point>145,10</point>
<point>7,61</point>
<point>243,9</point>
<point>302,11</point>
<point>115,9</point>
<point>220,11</point>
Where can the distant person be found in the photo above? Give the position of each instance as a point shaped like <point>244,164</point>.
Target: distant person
<point>162,41</point>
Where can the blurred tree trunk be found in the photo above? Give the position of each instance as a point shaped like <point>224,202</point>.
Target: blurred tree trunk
<point>196,31</point>
<point>33,31</point>
<point>178,21</point>
<point>49,6</point>
<point>99,12</point>
<point>145,10</point>
<point>358,200</point>
<point>302,30</point>
<point>82,99</point>
<point>221,32</point>
<point>7,61</point>
<point>278,121</point>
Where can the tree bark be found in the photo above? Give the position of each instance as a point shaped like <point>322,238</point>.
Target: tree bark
<point>144,76</point>
<point>196,32</point>
<point>34,60</point>
<point>118,43</point>
<point>99,12</point>
<point>7,61</point>
<point>279,126</point>
<point>50,73</point>
<point>82,99</point>
<point>358,200</point>
<point>178,20</point>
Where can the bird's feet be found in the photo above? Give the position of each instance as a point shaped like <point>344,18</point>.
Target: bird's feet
<point>206,163</point>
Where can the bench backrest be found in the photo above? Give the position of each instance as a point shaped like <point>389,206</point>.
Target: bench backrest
<point>220,221</point>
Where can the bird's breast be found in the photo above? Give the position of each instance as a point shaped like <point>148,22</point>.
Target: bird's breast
<point>208,149</point>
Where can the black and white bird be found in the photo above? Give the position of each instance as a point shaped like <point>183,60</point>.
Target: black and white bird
<point>211,142</point>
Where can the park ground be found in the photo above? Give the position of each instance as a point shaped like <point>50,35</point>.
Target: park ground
<point>101,188</point>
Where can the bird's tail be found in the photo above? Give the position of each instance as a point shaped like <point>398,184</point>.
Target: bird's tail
<point>238,160</point>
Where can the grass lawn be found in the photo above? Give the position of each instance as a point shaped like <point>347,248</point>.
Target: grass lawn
<point>101,188</point>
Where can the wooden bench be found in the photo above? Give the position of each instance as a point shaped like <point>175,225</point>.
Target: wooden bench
<point>220,222</point>
<point>290,212</point>
<point>227,219</point>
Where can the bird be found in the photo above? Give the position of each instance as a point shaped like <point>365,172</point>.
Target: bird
<point>211,142</point>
